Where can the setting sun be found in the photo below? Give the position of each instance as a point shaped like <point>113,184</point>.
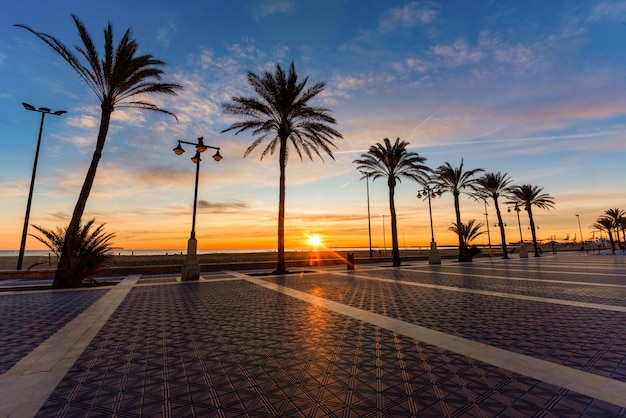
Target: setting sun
<point>315,240</point>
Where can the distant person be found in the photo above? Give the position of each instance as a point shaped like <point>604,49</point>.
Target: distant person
<point>554,248</point>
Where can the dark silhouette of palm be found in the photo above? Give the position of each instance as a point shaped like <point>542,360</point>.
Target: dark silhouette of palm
<point>90,248</point>
<point>529,196</point>
<point>119,78</point>
<point>605,223</point>
<point>494,185</point>
<point>393,162</point>
<point>282,115</point>
<point>617,215</point>
<point>456,181</point>
<point>469,231</point>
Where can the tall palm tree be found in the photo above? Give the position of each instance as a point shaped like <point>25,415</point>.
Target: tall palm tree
<point>529,196</point>
<point>493,185</point>
<point>605,223</point>
<point>282,114</point>
<point>456,181</point>
<point>393,162</point>
<point>617,215</point>
<point>119,77</point>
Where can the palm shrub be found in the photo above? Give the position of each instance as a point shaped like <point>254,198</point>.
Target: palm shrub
<point>468,232</point>
<point>89,249</point>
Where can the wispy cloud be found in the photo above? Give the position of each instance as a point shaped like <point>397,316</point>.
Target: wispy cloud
<point>164,32</point>
<point>407,16</point>
<point>610,9</point>
<point>266,8</point>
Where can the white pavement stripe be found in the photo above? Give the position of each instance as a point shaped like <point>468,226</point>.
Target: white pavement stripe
<point>492,293</point>
<point>27,385</point>
<point>489,276</point>
<point>589,384</point>
<point>541,269</point>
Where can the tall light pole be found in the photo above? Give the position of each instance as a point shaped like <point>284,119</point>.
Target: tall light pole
<point>433,256</point>
<point>369,219</point>
<point>582,241</point>
<point>522,250</point>
<point>191,266</point>
<point>488,232</point>
<point>44,111</point>
<point>384,236</point>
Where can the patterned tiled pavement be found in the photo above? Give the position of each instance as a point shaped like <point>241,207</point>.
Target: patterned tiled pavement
<point>232,345</point>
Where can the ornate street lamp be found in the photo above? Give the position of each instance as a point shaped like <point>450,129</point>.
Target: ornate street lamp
<point>191,266</point>
<point>44,111</point>
<point>433,256</point>
<point>522,250</point>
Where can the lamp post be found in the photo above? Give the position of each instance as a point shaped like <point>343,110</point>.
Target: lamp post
<point>384,236</point>
<point>44,111</point>
<point>433,256</point>
<point>488,232</point>
<point>522,250</point>
<point>582,241</point>
<point>369,219</point>
<point>191,266</point>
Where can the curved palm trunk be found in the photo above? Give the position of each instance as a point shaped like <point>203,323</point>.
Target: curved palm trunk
<point>505,254</point>
<point>532,231</point>
<point>394,225</point>
<point>462,246</point>
<point>61,277</point>
<point>281,267</point>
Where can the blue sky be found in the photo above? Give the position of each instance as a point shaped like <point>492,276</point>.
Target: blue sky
<point>531,88</point>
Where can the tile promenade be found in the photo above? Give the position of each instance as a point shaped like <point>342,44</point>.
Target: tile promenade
<point>536,337</point>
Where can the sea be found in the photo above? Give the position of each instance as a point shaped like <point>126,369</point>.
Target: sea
<point>42,253</point>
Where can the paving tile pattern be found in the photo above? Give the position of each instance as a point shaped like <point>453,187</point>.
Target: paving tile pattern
<point>28,319</point>
<point>233,349</point>
<point>581,293</point>
<point>581,338</point>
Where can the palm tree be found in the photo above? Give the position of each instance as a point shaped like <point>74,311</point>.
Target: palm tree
<point>455,180</point>
<point>393,162</point>
<point>617,215</point>
<point>89,249</point>
<point>605,223</point>
<point>282,114</point>
<point>469,232</point>
<point>493,185</point>
<point>119,78</point>
<point>529,196</point>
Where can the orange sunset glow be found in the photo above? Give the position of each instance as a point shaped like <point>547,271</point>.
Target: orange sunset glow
<point>535,92</point>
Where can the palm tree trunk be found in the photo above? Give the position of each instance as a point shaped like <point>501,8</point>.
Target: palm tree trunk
<point>457,209</point>
<point>61,276</point>
<point>532,230</point>
<point>394,224</point>
<point>505,254</point>
<point>611,240</point>
<point>281,267</point>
